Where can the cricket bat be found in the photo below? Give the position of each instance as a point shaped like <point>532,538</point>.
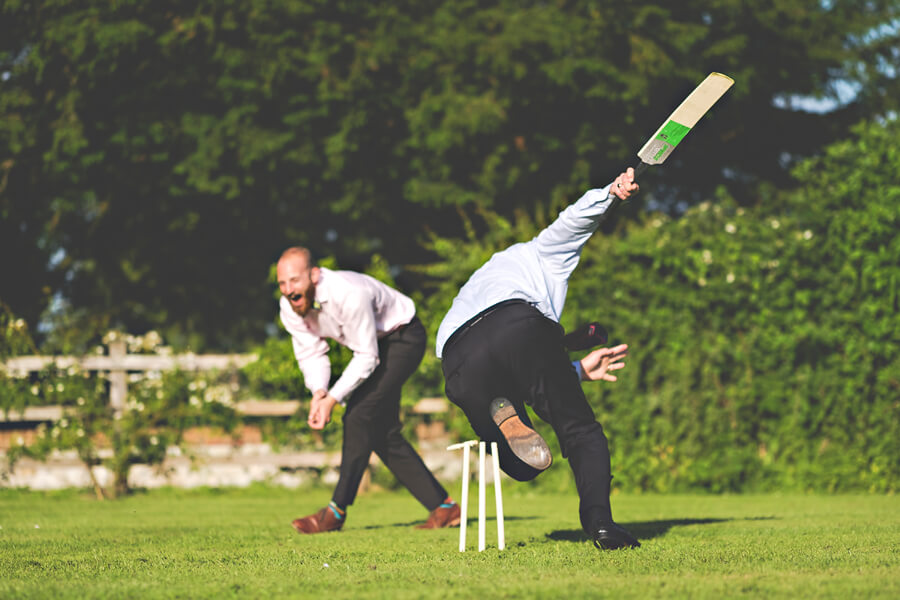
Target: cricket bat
<point>661,144</point>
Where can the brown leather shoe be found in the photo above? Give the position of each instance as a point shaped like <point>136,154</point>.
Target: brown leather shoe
<point>526,443</point>
<point>442,516</point>
<point>322,521</point>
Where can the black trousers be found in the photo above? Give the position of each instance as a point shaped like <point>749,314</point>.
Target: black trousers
<point>517,353</point>
<point>372,422</point>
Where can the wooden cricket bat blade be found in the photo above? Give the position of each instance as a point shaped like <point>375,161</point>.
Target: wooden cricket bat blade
<point>663,142</point>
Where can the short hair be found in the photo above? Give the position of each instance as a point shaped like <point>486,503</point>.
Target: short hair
<point>299,251</point>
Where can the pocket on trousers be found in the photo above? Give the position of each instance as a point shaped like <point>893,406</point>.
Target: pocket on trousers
<point>453,383</point>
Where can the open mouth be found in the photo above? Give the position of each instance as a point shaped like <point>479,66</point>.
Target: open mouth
<point>295,297</point>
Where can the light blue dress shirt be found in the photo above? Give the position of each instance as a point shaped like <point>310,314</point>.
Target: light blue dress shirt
<point>536,271</point>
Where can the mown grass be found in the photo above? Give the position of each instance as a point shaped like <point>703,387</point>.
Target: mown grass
<point>238,543</point>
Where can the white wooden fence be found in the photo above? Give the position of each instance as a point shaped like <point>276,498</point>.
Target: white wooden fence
<point>118,363</point>
<point>229,466</point>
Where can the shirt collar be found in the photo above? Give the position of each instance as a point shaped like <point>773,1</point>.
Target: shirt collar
<point>322,291</point>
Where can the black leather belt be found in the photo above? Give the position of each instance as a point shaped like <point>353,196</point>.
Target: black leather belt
<point>461,330</point>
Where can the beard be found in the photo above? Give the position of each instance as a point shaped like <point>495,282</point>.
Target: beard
<point>303,302</point>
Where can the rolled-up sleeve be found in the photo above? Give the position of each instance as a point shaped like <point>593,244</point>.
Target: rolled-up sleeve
<point>311,353</point>
<point>310,350</point>
<point>362,338</point>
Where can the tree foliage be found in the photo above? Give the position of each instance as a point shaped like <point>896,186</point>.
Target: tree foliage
<point>156,157</point>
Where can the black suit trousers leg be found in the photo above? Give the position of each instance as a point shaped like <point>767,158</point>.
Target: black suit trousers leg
<point>372,423</point>
<point>517,353</point>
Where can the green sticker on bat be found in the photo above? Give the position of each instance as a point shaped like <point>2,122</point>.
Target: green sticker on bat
<point>663,151</point>
<point>672,133</point>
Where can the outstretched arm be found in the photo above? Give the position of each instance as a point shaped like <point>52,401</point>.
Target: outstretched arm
<point>598,364</point>
<point>560,244</point>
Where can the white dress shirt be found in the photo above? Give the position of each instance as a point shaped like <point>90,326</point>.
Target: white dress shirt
<point>354,309</point>
<point>536,271</point>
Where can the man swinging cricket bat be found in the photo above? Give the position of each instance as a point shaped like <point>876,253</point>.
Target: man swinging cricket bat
<point>502,346</point>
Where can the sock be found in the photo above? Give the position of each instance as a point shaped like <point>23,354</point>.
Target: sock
<point>337,510</point>
<point>448,502</point>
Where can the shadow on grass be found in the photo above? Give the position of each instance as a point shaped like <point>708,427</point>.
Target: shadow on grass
<point>644,530</point>
<point>470,522</point>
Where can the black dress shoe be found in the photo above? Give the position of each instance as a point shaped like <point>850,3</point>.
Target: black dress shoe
<point>609,536</point>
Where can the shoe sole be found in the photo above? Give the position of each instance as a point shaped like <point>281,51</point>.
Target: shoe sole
<point>526,443</point>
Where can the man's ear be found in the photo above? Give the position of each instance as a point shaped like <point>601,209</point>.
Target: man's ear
<point>314,275</point>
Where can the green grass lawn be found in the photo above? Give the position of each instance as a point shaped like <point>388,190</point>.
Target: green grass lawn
<point>239,543</point>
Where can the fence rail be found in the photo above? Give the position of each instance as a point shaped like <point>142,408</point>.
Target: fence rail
<point>118,363</point>
<point>131,362</point>
<point>249,408</point>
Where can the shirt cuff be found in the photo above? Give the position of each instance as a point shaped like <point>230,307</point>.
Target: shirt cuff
<point>336,395</point>
<point>578,369</point>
